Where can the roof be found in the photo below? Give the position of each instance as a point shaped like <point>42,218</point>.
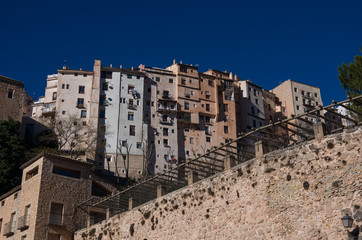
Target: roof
<point>298,83</point>
<point>14,190</point>
<point>11,81</point>
<point>54,156</point>
<point>74,71</point>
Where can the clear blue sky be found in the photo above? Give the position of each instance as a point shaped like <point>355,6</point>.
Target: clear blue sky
<point>265,41</point>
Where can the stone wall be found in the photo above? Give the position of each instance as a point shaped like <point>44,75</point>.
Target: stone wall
<point>296,193</point>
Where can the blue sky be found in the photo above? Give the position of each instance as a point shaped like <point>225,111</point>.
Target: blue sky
<point>265,41</point>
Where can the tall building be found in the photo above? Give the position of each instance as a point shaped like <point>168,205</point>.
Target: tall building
<point>14,101</point>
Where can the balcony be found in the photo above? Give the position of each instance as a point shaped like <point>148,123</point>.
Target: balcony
<point>80,106</point>
<point>9,229</point>
<point>167,97</point>
<point>23,222</point>
<point>208,132</point>
<point>166,122</point>
<point>132,107</point>
<point>166,109</point>
<point>56,219</point>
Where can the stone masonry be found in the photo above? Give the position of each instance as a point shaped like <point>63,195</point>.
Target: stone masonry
<point>296,193</point>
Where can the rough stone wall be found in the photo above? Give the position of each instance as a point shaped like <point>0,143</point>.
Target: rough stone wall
<point>296,193</point>
<point>11,107</point>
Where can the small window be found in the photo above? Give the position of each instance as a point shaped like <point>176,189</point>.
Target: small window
<point>63,86</point>
<point>66,172</point>
<point>254,123</point>
<point>2,203</point>
<point>303,93</point>
<point>105,86</point>
<point>256,101</point>
<point>11,93</point>
<point>81,89</point>
<point>139,145</point>
<point>157,79</point>
<point>83,113</point>
<point>75,74</point>
<point>129,76</point>
<point>63,112</point>
<point>54,95</point>
<point>191,140</point>
<point>183,81</point>
<point>298,108</point>
<point>226,129</point>
<point>187,106</point>
<point>32,173</point>
<point>208,139</point>
<point>80,102</point>
<point>15,195</point>
<point>67,86</point>
<point>130,116</point>
<point>295,89</point>
<point>170,80</point>
<point>132,130</point>
<point>226,108</point>
<point>207,107</point>
<point>165,131</point>
<point>296,99</point>
<point>315,95</point>
<point>165,142</point>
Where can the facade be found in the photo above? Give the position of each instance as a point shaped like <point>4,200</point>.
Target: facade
<point>298,98</point>
<point>122,116</point>
<point>15,102</point>
<point>44,205</point>
<point>251,106</point>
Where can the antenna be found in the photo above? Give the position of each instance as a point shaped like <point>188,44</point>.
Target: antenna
<point>65,62</point>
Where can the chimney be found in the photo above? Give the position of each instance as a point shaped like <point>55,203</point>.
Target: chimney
<point>120,66</point>
<point>142,68</point>
<point>226,71</point>
<point>231,75</point>
<point>110,65</point>
<point>174,61</point>
<point>80,69</point>
<point>235,77</point>
<point>132,68</point>
<point>191,65</point>
<point>180,62</point>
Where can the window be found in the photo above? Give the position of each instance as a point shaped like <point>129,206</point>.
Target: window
<point>207,107</point>
<point>56,214</point>
<point>303,93</point>
<point>15,195</point>
<point>165,131</point>
<point>295,89</point>
<point>54,96</point>
<point>157,79</point>
<point>32,173</point>
<point>105,86</point>
<point>80,102</point>
<point>254,123</point>
<point>298,107</point>
<point>165,94</point>
<point>66,172</point>
<point>308,94</point>
<point>183,81</point>
<point>256,101</point>
<point>67,86</point>
<point>98,190</point>
<point>316,103</point>
<point>75,74</point>
<point>81,89</point>
<point>132,130</point>
<point>130,116</point>
<point>129,76</point>
<point>187,130</point>
<point>226,129</point>
<point>83,113</point>
<point>170,80</point>
<point>183,69</point>
<point>187,106</point>
<point>12,222</point>
<point>139,145</point>
<point>106,74</point>
<point>1,223</point>
<point>260,124</point>
<point>11,93</point>
<point>208,139</point>
<point>165,142</point>
<point>303,101</point>
<point>207,94</point>
<point>252,110</point>
<point>187,93</point>
<point>207,119</point>
<point>63,112</point>
<point>130,89</point>
<point>63,86</point>
<point>296,99</point>
<point>226,107</point>
<point>315,95</point>
<point>211,84</point>
<point>225,118</point>
<point>191,140</point>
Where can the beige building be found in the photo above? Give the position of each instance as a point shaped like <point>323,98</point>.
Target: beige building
<point>14,101</point>
<point>44,205</point>
<point>298,98</point>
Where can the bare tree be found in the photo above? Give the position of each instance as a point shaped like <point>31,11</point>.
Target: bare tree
<point>74,136</point>
<point>125,157</point>
<point>147,154</point>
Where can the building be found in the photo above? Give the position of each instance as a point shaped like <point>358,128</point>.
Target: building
<point>44,205</point>
<point>121,114</point>
<point>298,98</point>
<point>15,102</point>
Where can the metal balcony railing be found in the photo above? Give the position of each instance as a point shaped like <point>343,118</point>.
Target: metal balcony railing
<point>23,222</point>
<point>9,229</point>
<point>56,219</point>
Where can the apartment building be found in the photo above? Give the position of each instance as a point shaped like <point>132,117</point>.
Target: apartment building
<point>298,98</point>
<point>44,205</point>
<point>161,103</point>
<point>122,117</point>
<point>15,102</point>
<point>251,106</point>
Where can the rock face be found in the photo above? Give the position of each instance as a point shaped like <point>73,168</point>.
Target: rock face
<point>296,193</point>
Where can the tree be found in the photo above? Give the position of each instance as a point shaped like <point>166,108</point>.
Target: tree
<point>125,158</point>
<point>74,137</point>
<point>11,155</point>
<point>147,157</point>
<point>350,76</point>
